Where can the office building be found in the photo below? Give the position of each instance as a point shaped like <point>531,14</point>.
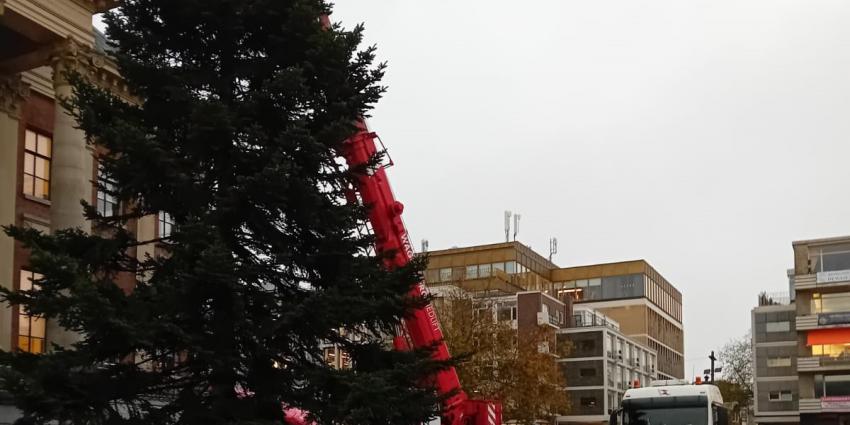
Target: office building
<point>632,293</point>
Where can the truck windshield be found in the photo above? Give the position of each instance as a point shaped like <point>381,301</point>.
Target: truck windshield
<point>666,416</point>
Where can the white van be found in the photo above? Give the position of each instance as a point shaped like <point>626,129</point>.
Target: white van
<point>674,402</point>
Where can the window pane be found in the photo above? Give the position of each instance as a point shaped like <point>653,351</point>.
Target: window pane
<point>23,343</point>
<point>28,185</point>
<point>44,143</point>
<point>499,266</point>
<point>37,327</point>
<point>38,188</point>
<point>29,163</point>
<point>510,267</point>
<point>41,167</point>
<point>36,345</point>
<point>484,270</point>
<point>30,140</point>
<point>26,280</point>
<point>23,323</point>
<point>472,272</point>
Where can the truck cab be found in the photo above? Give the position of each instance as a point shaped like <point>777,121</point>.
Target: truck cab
<point>671,402</point>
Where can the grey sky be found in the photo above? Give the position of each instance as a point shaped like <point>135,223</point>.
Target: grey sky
<point>702,136</point>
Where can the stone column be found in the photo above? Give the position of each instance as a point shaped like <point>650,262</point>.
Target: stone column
<point>12,94</point>
<point>71,166</point>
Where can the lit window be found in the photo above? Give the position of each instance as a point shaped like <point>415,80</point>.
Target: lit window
<point>330,356</point>
<point>345,360</point>
<point>164,224</point>
<point>107,202</point>
<point>37,151</point>
<point>31,329</point>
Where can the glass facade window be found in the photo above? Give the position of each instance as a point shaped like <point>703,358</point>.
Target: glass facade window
<point>472,272</point>
<point>778,326</point>
<point>484,270</point>
<point>498,266</point>
<point>831,258</point>
<point>446,274</point>
<point>510,267</point>
<point>831,350</point>
<point>37,154</point>
<point>31,329</point>
<point>832,385</point>
<point>107,202</point>
<point>831,303</point>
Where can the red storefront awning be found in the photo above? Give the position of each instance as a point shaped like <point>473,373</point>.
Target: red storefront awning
<point>828,336</point>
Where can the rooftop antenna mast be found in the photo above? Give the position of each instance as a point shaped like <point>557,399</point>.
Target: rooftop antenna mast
<point>553,248</point>
<point>516,225</point>
<point>424,245</point>
<point>507,226</point>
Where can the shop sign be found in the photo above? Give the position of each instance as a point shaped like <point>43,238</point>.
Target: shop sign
<point>833,276</point>
<point>835,402</point>
<point>833,319</point>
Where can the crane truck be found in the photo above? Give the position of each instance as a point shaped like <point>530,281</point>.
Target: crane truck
<point>671,402</point>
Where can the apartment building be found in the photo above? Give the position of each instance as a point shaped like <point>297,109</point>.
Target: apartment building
<point>775,389</point>
<point>601,365</point>
<point>821,281</point>
<point>632,293</point>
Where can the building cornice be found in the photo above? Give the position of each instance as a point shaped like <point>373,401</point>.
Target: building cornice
<point>13,91</point>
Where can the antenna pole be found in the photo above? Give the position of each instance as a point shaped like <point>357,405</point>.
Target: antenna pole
<point>516,225</point>
<point>507,226</point>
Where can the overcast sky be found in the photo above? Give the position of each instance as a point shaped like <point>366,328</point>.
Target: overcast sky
<point>702,136</point>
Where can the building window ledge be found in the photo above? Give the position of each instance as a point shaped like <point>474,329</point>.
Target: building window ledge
<point>37,199</point>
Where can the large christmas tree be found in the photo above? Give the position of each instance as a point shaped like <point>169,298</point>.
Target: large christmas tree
<point>242,108</point>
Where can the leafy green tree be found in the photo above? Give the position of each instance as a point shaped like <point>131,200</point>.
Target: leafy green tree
<point>242,108</point>
<point>736,358</point>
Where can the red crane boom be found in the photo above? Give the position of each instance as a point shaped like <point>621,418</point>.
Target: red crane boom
<point>423,326</point>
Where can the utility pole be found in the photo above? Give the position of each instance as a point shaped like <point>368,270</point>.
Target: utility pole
<point>713,359</point>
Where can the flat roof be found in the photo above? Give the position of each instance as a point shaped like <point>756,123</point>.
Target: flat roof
<point>820,241</point>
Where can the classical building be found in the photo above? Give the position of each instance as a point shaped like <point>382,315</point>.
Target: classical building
<point>46,167</point>
<point>632,293</point>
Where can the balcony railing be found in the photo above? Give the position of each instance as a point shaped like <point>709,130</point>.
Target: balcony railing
<point>774,298</point>
<point>825,404</point>
<point>816,363</point>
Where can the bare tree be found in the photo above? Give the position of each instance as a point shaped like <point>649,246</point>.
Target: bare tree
<point>736,358</point>
<point>499,363</point>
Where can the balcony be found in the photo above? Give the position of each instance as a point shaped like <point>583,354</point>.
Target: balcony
<point>823,363</point>
<point>823,321</point>
<point>825,404</point>
<point>822,279</point>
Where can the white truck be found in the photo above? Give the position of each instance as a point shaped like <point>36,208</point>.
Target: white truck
<point>671,402</point>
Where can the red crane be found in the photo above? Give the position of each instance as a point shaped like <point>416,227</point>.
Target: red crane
<point>422,328</point>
